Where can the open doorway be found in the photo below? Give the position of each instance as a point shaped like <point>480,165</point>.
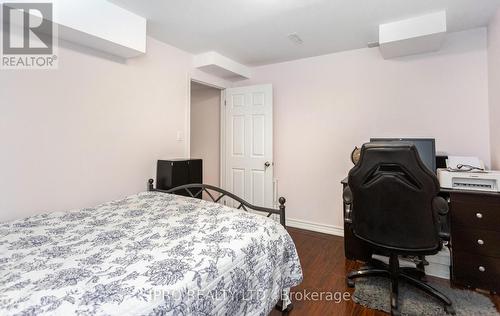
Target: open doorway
<point>205,129</point>
<point>231,130</point>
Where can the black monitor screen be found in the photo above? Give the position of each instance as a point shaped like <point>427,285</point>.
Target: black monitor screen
<point>426,148</point>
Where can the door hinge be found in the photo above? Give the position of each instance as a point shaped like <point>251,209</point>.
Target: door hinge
<point>225,102</point>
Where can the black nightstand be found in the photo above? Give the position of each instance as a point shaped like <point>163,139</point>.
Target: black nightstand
<point>176,172</point>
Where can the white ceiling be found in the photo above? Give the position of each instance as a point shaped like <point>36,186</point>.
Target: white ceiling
<point>254,32</point>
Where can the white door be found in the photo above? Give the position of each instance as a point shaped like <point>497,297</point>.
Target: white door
<point>248,143</point>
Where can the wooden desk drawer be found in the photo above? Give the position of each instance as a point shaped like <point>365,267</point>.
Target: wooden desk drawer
<point>481,242</point>
<point>476,271</point>
<point>476,213</point>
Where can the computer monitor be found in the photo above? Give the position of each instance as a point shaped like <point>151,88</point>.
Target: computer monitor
<point>426,148</point>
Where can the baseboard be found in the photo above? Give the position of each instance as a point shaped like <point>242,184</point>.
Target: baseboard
<point>315,227</point>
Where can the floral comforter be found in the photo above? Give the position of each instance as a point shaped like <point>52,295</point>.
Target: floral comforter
<point>148,254</point>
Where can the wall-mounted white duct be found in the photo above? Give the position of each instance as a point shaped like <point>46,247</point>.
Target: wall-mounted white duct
<point>417,35</point>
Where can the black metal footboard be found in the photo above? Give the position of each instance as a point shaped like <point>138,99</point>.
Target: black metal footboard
<point>200,188</point>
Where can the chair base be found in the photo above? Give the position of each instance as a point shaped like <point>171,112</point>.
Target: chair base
<point>395,273</point>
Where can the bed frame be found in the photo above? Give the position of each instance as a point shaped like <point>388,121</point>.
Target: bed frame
<point>200,188</point>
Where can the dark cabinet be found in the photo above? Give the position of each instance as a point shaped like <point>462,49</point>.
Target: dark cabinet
<point>475,239</point>
<point>177,172</point>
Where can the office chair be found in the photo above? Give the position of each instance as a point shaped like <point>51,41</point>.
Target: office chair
<point>394,206</point>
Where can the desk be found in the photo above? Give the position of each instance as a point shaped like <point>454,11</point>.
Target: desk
<point>474,241</point>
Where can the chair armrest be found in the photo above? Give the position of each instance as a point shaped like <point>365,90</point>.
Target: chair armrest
<point>347,197</point>
<point>444,226</point>
<point>440,205</point>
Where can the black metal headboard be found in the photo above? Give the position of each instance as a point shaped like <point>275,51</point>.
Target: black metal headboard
<point>223,193</point>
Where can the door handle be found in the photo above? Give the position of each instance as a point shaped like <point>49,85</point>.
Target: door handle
<point>267,164</point>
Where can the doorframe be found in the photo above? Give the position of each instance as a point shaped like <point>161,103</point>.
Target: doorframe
<point>190,79</point>
<point>187,146</point>
<point>222,141</point>
<point>222,130</point>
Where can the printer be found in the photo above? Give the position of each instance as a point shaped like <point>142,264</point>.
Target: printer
<point>469,180</point>
<point>468,173</point>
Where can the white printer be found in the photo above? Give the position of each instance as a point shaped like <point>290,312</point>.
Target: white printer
<point>467,173</point>
<point>479,181</point>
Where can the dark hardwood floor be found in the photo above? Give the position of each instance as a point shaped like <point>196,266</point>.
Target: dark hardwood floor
<point>324,267</point>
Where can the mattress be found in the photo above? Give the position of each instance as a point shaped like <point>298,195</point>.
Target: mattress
<point>148,254</point>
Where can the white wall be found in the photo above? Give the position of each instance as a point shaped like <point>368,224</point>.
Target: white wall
<point>205,130</point>
<point>326,105</point>
<point>494,88</point>
<point>90,131</point>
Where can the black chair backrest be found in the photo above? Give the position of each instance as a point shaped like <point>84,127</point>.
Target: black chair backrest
<point>392,193</point>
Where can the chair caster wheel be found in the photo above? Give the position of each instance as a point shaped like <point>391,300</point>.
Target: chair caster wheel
<point>350,283</point>
<point>450,310</point>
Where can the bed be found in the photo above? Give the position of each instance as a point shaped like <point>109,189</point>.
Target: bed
<point>153,253</point>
